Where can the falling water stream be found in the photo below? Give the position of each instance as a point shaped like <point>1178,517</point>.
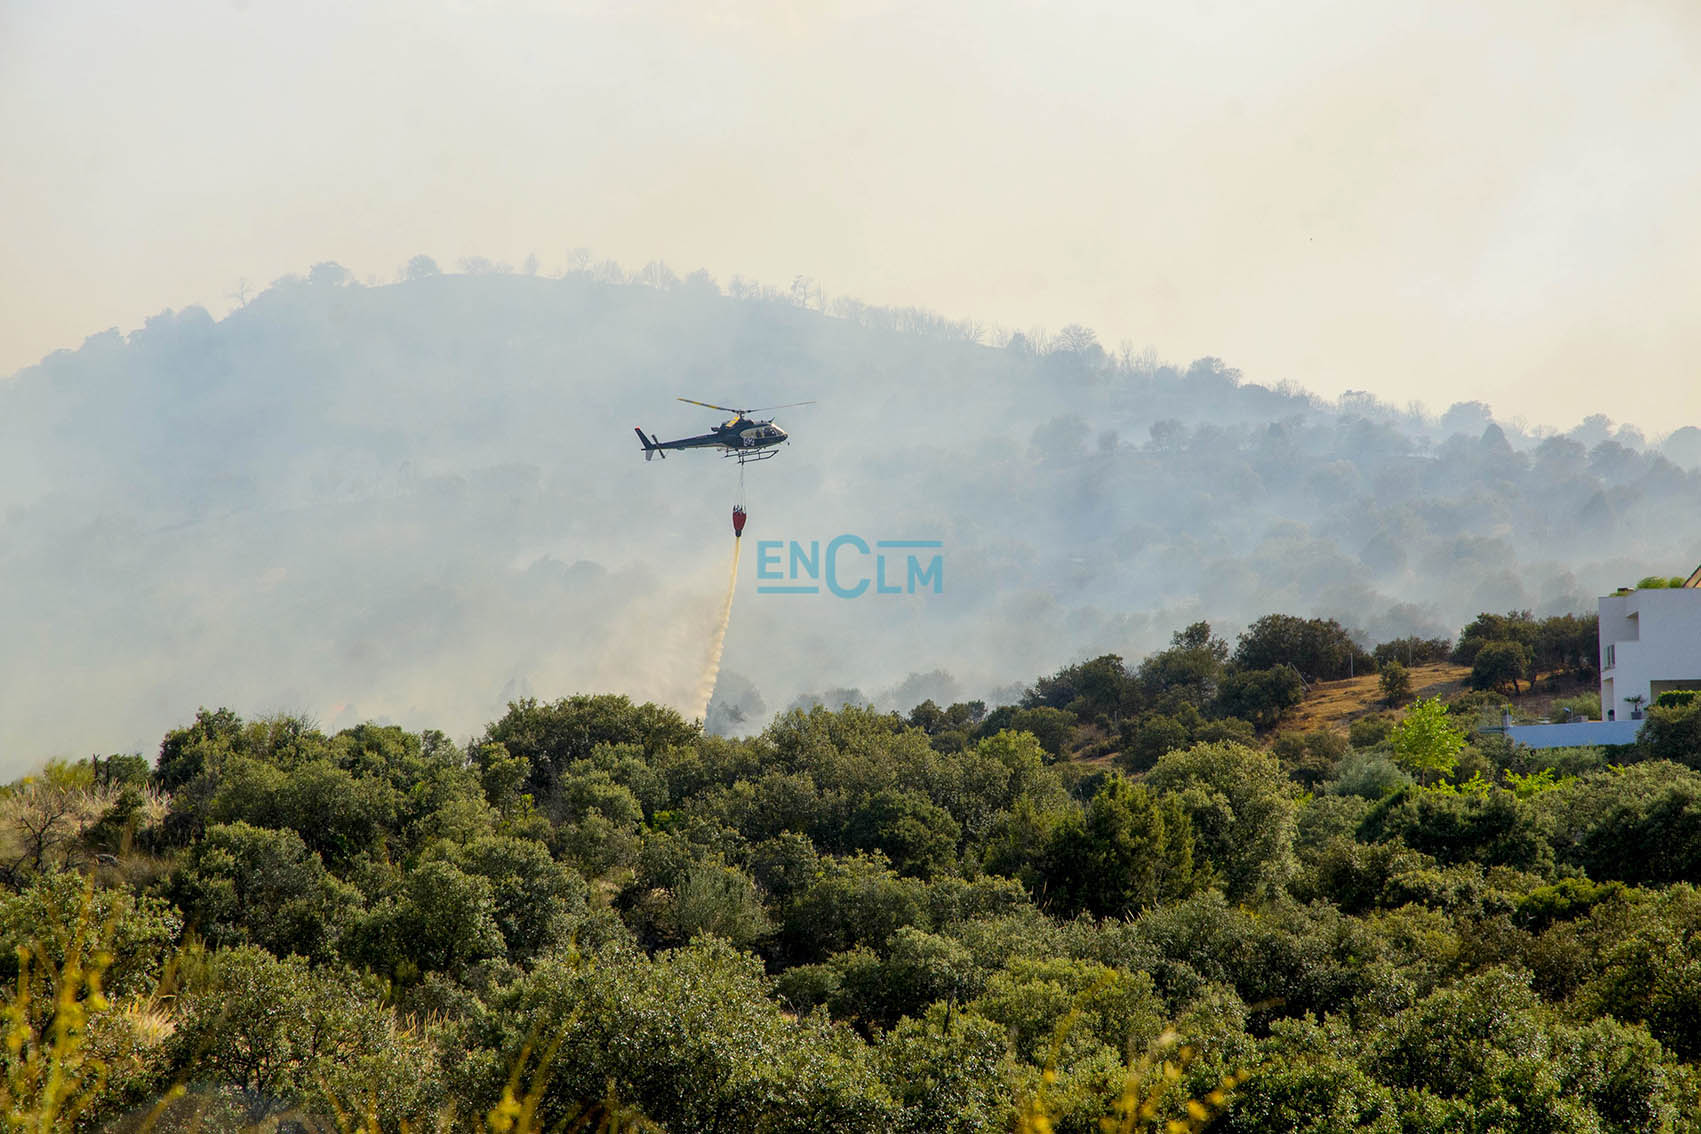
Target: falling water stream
<point>712,671</point>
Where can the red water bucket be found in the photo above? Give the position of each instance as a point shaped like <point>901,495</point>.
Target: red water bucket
<point>737,521</point>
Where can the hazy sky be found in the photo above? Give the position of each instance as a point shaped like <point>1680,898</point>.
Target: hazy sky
<point>1432,202</point>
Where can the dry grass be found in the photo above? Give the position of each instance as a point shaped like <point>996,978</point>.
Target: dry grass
<point>1334,705</point>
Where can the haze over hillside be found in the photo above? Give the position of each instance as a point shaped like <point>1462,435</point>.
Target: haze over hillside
<point>415,502</point>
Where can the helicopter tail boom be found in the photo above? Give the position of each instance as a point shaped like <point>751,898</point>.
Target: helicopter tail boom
<point>652,447</point>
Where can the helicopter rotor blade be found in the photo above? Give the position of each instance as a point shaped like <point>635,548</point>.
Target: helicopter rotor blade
<point>788,405</point>
<point>711,405</point>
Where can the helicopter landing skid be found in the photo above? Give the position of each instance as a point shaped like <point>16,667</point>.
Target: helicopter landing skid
<point>745,456</point>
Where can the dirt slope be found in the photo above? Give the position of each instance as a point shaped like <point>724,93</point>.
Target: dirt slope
<point>1336,704</point>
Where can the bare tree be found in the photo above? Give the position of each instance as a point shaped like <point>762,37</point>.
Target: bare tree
<point>658,275</point>
<point>1076,339</point>
<point>42,822</point>
<point>609,272</point>
<point>701,281</point>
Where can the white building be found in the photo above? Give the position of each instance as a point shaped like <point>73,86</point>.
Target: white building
<point>1650,642</point>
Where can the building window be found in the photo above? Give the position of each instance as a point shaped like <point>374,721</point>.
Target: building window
<point>1610,659</point>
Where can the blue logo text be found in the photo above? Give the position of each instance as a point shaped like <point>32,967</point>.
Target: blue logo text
<point>849,567</point>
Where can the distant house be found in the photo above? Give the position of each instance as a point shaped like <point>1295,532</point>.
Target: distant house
<point>1650,642</point>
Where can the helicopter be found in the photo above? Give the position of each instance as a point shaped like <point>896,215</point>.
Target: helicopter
<point>741,436</point>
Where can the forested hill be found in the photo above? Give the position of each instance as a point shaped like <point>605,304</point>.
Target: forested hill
<point>418,501</point>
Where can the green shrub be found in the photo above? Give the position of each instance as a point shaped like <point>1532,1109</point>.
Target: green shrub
<point>1368,732</point>
<point>1309,757</point>
<point>1369,775</point>
<point>1396,684</point>
<point>1672,732</point>
<point>1471,702</point>
<point>1586,706</point>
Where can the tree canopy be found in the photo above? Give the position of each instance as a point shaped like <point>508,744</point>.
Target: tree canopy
<point>857,919</point>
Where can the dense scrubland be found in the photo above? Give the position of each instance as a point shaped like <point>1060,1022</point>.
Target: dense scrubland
<point>1135,895</point>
